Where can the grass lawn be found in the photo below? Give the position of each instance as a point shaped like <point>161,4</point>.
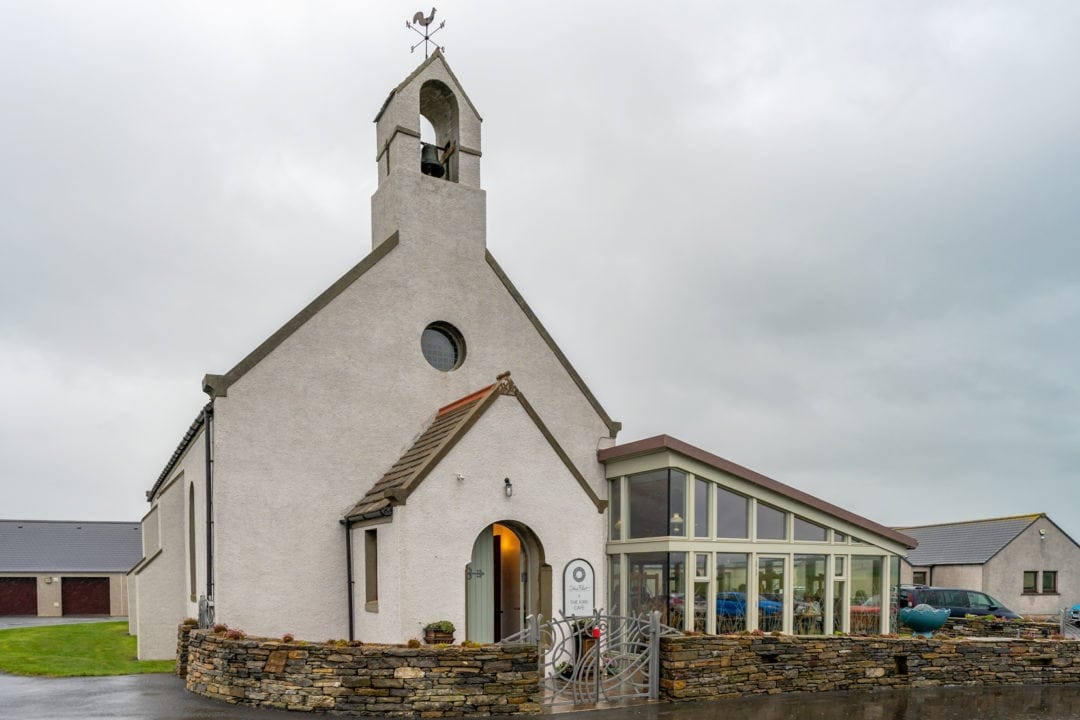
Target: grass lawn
<point>99,648</point>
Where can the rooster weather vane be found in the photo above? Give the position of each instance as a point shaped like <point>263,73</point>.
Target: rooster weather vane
<point>419,21</point>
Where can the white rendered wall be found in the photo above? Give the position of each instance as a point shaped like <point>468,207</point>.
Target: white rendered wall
<point>423,558</point>
<point>310,428</point>
<point>161,601</point>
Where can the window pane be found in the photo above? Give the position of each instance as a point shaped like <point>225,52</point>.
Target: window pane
<point>677,503</point>
<point>615,509</point>
<point>1049,584</point>
<point>657,582</point>
<point>978,600</point>
<point>701,508</point>
<point>615,593</point>
<point>649,504</point>
<point>838,605</point>
<point>839,537</point>
<point>894,593</point>
<point>918,577</point>
<point>647,573</point>
<point>838,566</point>
<point>809,594</point>
<point>730,592</point>
<point>701,605</point>
<point>808,531</point>
<point>770,594</point>
<point>676,590</point>
<point>1029,581</point>
<point>701,565</point>
<point>731,514</point>
<point>771,523</point>
<point>865,587</point>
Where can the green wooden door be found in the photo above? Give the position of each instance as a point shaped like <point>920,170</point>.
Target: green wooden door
<point>480,590</point>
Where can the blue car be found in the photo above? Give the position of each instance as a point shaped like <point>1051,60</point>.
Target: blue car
<point>733,604</point>
<point>1074,614</point>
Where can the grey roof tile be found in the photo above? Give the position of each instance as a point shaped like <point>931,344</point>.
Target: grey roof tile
<point>63,546</point>
<point>964,543</point>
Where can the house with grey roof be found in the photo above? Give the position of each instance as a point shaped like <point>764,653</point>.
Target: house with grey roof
<point>52,568</point>
<point>1025,561</point>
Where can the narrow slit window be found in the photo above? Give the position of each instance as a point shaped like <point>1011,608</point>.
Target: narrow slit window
<point>371,569</point>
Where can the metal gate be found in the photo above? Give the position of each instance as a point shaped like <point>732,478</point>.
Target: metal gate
<point>596,659</point>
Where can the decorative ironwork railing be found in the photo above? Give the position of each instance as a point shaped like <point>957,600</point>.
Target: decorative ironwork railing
<point>596,658</point>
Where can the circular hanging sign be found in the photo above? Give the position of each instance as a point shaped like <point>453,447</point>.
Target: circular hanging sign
<point>579,588</point>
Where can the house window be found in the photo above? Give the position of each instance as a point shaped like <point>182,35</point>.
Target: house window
<point>918,577</point>
<point>808,531</point>
<point>191,540</point>
<point>701,508</point>
<point>771,523</point>
<point>658,504</point>
<point>732,511</point>
<point>371,570</point>
<point>615,510</point>
<point>1031,579</point>
<point>1049,582</point>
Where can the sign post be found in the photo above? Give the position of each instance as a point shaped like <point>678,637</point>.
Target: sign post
<point>579,588</point>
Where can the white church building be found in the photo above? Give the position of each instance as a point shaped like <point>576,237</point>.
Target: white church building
<point>413,446</point>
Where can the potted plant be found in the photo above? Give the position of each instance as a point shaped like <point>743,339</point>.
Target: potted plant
<point>440,631</point>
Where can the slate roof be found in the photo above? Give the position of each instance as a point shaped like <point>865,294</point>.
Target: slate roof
<point>450,424</point>
<point>62,546</point>
<point>666,442</point>
<point>965,543</point>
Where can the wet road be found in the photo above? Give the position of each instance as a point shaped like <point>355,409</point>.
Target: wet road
<point>162,697</point>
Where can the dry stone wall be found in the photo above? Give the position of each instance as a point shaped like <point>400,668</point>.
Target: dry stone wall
<point>370,680</point>
<point>713,667</point>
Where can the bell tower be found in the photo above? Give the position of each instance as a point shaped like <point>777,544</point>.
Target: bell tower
<point>429,191</point>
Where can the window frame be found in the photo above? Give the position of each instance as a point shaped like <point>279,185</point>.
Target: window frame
<point>1033,588</point>
<point>1053,589</point>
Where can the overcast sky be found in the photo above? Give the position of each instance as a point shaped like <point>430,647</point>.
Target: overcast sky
<point>834,242</point>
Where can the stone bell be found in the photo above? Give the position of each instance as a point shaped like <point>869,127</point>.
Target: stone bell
<point>429,161</point>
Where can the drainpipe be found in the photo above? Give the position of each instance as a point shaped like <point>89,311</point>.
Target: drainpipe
<point>348,572</point>
<point>208,412</point>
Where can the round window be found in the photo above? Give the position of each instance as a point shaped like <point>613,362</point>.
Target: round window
<point>443,346</point>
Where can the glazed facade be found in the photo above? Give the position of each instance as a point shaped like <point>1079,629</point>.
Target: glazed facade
<point>717,553</point>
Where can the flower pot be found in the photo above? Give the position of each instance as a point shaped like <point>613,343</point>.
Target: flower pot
<point>434,637</point>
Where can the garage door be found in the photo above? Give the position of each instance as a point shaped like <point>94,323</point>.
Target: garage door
<point>85,596</point>
<point>18,596</point>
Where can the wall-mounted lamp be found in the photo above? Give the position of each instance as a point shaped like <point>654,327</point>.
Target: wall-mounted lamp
<point>508,487</point>
<point>48,580</point>
<point>1042,534</point>
<point>460,477</point>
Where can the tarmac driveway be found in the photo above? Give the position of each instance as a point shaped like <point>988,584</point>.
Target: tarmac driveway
<point>162,697</point>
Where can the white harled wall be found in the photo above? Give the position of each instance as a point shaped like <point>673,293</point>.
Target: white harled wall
<point>424,551</point>
<point>160,587</point>
<point>303,434</point>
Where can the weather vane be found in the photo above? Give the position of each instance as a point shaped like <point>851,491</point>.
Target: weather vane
<point>419,21</point>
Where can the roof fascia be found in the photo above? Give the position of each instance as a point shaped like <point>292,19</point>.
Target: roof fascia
<point>660,443</point>
<point>218,385</point>
<point>613,426</point>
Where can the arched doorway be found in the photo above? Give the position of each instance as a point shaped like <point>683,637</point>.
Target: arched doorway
<point>506,580</point>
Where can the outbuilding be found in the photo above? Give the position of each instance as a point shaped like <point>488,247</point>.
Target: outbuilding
<point>51,568</point>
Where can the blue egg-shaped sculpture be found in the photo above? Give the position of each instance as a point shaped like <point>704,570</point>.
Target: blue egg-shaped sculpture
<point>923,619</point>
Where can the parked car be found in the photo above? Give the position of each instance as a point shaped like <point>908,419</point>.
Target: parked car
<point>1073,614</point>
<point>960,602</point>
<point>733,604</point>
